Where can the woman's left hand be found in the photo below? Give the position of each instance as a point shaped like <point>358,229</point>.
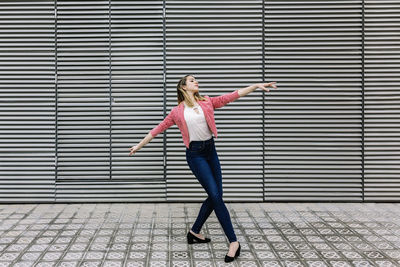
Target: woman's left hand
<point>264,85</point>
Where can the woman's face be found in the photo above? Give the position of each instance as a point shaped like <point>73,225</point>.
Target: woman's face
<point>191,84</point>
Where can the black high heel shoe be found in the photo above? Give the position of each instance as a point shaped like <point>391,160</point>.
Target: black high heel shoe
<point>229,258</point>
<point>191,238</point>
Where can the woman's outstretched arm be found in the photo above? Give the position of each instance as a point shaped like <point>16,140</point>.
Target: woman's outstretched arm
<point>253,87</point>
<point>161,127</point>
<point>142,143</point>
<point>222,100</point>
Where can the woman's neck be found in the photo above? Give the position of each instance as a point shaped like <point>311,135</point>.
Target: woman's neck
<point>191,96</point>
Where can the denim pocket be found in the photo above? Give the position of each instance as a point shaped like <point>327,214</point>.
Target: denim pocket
<point>195,147</point>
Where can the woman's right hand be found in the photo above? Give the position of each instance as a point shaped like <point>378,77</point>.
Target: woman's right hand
<point>133,149</point>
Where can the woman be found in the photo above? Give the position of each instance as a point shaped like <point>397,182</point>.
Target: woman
<point>194,115</point>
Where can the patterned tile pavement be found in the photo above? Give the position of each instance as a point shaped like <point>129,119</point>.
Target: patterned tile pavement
<point>134,234</point>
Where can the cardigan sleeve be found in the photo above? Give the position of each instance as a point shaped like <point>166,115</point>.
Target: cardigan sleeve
<point>222,100</point>
<point>164,125</point>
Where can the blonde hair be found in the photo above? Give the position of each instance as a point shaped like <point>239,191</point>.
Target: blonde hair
<point>183,95</point>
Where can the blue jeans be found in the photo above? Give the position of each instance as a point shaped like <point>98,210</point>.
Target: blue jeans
<point>204,163</point>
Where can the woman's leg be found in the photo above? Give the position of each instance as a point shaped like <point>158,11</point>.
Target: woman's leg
<point>207,206</point>
<point>204,213</point>
<point>204,174</point>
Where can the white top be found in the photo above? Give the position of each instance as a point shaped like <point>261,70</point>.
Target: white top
<point>196,123</point>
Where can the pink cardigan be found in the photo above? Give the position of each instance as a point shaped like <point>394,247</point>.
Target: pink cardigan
<point>176,115</point>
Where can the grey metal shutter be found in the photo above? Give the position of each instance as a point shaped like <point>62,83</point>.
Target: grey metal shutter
<point>313,121</point>
<point>109,92</point>
<point>83,100</point>
<point>27,87</point>
<point>137,86</point>
<point>221,45</point>
<point>382,101</point>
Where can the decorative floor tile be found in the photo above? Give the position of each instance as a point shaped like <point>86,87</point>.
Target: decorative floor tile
<point>135,263</point>
<point>23,264</point>
<point>342,246</point>
<point>301,246</point>
<point>159,255</point>
<point>352,254</point>
<point>119,246</point>
<point>201,255</point>
<point>395,254</point>
<point>294,238</point>
<point>33,248</point>
<point>265,255</point>
<point>52,256</point>
<point>308,254</point>
<point>384,263</point>
<point>243,255</point>
<point>362,246</point>
<point>269,231</point>
<point>245,263</point>
<point>256,238</point>
<point>179,247</point>
<point>115,255</point>
<point>94,255</point>
<point>68,264</point>
<point>340,264</point>
<point>154,234</point>
<point>98,246</point>
<point>8,256</point>
<point>383,245</point>
<point>140,238</point>
<point>203,263</point>
<point>73,256</point>
<point>159,238</point>
<point>361,263</point>
<point>330,255</point>
<point>316,263</point>
<point>321,246</point>
<point>293,263</point>
<point>274,238</point>
<point>180,255</point>
<point>16,247</point>
<point>281,246</point>
<point>28,256</point>
<point>109,263</point>
<point>286,254</point>
<point>271,264</point>
<point>314,238</point>
<point>260,246</point>
<point>180,263</point>
<point>159,246</point>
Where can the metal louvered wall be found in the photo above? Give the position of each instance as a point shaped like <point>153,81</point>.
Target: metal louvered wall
<point>313,122</point>
<point>220,45</point>
<point>83,104</point>
<point>82,81</point>
<point>27,106</point>
<point>382,101</point>
<point>109,91</point>
<point>137,74</point>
